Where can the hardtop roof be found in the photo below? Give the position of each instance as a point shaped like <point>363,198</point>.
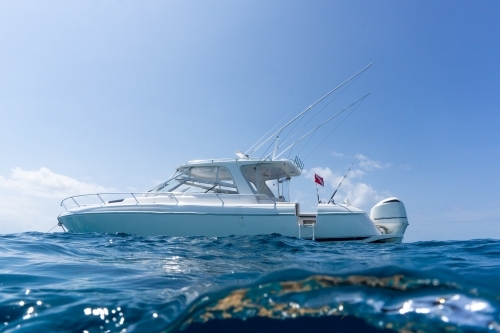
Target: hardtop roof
<point>289,165</point>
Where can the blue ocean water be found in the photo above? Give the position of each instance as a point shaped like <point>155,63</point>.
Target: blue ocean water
<point>65,282</point>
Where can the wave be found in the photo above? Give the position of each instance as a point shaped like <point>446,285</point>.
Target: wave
<point>349,303</point>
<point>124,283</point>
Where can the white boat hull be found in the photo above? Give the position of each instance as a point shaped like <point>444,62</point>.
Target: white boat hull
<point>181,224</point>
<point>162,216</point>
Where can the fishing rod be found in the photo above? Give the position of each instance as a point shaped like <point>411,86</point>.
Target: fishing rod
<point>264,136</point>
<point>277,133</point>
<point>326,138</point>
<point>317,127</point>
<point>331,199</point>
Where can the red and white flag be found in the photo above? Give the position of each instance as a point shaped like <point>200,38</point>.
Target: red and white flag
<point>319,180</point>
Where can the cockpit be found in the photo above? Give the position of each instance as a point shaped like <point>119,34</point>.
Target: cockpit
<point>200,179</point>
<point>271,179</point>
<point>268,179</point>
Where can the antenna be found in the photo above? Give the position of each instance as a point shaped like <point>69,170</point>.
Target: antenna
<point>331,199</point>
<point>240,154</point>
<point>277,133</point>
<point>317,127</point>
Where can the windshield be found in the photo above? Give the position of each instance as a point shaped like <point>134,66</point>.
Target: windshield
<point>204,179</point>
<point>267,179</point>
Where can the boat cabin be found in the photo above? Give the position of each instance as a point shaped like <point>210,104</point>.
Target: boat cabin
<point>233,176</point>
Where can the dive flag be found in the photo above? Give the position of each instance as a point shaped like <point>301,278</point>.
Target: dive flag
<point>319,180</point>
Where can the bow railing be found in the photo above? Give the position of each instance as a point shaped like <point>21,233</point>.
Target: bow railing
<point>177,197</point>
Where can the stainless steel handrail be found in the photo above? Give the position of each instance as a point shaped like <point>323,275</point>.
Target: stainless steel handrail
<point>171,195</point>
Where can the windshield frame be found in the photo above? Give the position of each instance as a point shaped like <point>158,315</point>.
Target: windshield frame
<point>183,177</point>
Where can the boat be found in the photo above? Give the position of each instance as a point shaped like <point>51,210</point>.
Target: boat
<point>234,196</point>
<point>242,196</point>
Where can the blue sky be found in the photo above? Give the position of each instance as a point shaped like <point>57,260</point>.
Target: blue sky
<point>113,95</point>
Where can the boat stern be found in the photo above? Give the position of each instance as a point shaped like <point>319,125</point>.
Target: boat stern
<point>389,215</point>
<point>343,223</point>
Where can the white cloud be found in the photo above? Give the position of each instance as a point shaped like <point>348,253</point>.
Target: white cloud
<point>359,193</point>
<point>20,213</point>
<point>29,200</point>
<point>363,162</point>
<point>335,154</point>
<point>369,164</point>
<point>45,183</point>
<point>300,196</point>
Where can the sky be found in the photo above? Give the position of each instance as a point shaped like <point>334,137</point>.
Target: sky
<point>99,96</point>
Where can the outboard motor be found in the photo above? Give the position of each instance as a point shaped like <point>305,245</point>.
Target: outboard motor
<point>389,215</point>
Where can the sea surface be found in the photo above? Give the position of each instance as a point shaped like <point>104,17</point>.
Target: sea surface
<point>63,282</point>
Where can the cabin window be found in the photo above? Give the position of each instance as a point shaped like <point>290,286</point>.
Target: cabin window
<point>202,179</point>
<point>225,175</point>
<point>266,179</point>
<point>204,173</point>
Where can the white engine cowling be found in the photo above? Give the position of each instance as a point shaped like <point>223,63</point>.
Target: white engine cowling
<point>389,215</point>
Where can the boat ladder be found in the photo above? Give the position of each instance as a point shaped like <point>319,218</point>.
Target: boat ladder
<point>307,223</point>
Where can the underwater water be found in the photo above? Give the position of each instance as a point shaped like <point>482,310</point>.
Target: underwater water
<point>65,282</point>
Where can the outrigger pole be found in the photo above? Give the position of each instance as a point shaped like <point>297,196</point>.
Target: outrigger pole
<point>331,199</point>
<point>277,133</point>
<point>317,127</point>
